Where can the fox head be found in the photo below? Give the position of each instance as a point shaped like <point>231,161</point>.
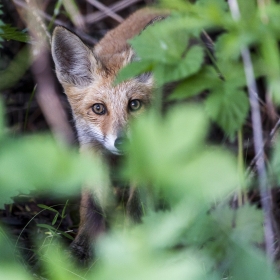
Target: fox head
<point>101,110</point>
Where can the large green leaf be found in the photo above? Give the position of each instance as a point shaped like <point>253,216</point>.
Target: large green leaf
<point>171,154</point>
<point>39,162</point>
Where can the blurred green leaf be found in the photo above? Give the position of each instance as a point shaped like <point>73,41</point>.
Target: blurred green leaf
<point>58,265</point>
<point>2,121</point>
<point>120,251</point>
<point>180,5</point>
<point>275,162</point>
<point>250,264</point>
<point>38,162</point>
<point>221,4</point>
<point>247,8</point>
<point>244,224</point>
<point>16,69</point>
<point>10,268</point>
<point>171,154</point>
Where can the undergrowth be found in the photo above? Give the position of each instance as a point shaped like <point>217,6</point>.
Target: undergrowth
<point>204,232</point>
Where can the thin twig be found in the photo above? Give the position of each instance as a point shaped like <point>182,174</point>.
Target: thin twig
<point>88,39</point>
<point>106,10</point>
<point>46,95</point>
<point>257,156</point>
<point>97,16</point>
<point>266,199</point>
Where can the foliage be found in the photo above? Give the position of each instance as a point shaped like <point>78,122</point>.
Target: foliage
<point>8,32</point>
<point>197,232</point>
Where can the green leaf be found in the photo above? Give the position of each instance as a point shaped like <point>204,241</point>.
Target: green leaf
<point>248,263</point>
<point>11,267</point>
<point>51,228</point>
<point>271,57</point>
<point>132,70</point>
<point>11,33</point>
<point>66,235</point>
<point>119,251</point>
<point>2,121</point>
<point>162,42</point>
<point>221,4</point>
<point>179,5</point>
<point>228,107</point>
<point>192,85</point>
<point>244,224</point>
<point>248,7</point>
<point>47,208</point>
<point>64,209</point>
<point>229,45</point>
<point>275,162</point>
<point>16,69</point>
<point>171,154</point>
<point>40,163</point>
<point>187,66</point>
<point>249,224</point>
<point>55,218</point>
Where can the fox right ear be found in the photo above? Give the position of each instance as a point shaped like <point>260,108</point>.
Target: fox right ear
<point>74,61</point>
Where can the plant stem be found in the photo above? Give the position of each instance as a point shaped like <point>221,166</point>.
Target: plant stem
<point>266,199</point>
<point>240,167</point>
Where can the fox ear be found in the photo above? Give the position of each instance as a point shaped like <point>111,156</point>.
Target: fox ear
<point>74,61</point>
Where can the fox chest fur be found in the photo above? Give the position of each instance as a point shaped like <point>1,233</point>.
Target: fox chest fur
<point>101,110</point>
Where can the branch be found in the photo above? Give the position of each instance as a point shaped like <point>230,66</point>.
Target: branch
<point>80,33</point>
<point>46,95</point>
<point>106,10</point>
<point>266,199</point>
<point>97,16</point>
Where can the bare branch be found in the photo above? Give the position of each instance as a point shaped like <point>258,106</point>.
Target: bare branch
<point>46,94</point>
<point>97,16</point>
<point>106,10</point>
<point>88,39</point>
<point>266,199</point>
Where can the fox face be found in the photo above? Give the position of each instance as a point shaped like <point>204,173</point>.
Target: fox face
<point>101,110</point>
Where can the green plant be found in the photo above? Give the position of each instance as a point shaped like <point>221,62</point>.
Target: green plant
<point>200,233</point>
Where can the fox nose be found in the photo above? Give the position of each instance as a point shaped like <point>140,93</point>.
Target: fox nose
<point>119,142</point>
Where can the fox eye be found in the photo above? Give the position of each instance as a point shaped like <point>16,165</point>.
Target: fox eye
<point>98,109</point>
<point>134,105</point>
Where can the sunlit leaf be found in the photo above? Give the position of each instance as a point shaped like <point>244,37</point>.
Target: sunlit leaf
<point>162,42</point>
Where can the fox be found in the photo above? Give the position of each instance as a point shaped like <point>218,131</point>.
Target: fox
<point>102,110</point>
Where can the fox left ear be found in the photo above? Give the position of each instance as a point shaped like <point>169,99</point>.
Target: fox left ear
<point>74,61</point>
